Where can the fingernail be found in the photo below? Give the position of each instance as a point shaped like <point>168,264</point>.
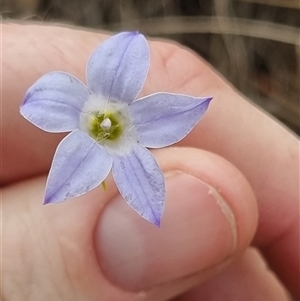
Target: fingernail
<point>197,232</point>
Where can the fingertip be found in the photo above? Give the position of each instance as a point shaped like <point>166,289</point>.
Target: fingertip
<point>226,180</point>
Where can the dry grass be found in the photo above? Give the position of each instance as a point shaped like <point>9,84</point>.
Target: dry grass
<point>254,43</point>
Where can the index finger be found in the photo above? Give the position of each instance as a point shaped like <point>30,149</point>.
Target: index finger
<point>264,151</point>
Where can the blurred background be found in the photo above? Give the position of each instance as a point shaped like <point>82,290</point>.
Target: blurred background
<point>255,44</point>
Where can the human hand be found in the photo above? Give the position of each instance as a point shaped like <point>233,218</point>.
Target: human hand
<point>94,247</point>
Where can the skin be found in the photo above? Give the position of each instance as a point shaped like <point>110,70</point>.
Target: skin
<point>238,156</point>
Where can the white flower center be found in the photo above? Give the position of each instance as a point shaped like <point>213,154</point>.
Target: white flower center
<point>109,124</point>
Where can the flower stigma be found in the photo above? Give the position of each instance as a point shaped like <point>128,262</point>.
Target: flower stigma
<point>106,124</point>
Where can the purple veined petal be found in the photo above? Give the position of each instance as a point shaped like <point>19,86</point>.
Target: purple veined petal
<point>54,102</point>
<point>79,165</point>
<point>163,119</point>
<point>141,183</point>
<point>118,68</point>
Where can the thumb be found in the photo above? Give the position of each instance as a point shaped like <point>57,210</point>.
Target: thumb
<point>97,248</point>
<point>210,216</point>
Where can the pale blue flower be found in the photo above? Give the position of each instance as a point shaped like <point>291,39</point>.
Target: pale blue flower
<point>109,128</point>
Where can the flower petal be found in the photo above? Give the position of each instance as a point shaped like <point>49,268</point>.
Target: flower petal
<point>141,183</point>
<point>118,68</point>
<point>54,102</point>
<point>79,165</point>
<point>163,119</point>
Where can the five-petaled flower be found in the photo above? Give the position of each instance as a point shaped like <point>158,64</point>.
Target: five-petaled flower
<point>109,128</point>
